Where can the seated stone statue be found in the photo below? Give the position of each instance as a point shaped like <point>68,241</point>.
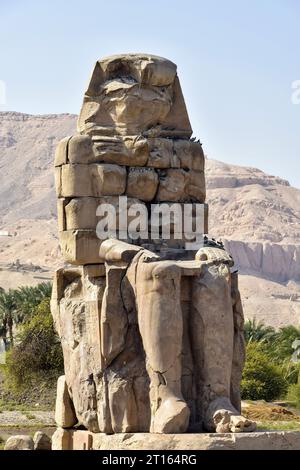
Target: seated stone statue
<point>152,333</point>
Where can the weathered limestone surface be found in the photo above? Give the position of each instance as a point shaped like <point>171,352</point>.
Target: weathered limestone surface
<point>95,180</point>
<point>20,442</point>
<point>104,358</point>
<point>152,334</point>
<point>64,411</point>
<point>41,441</point>
<point>134,140</point>
<point>147,98</point>
<point>64,439</point>
<point>80,246</point>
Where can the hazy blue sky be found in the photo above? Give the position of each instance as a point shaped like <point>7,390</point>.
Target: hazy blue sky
<point>236,61</point>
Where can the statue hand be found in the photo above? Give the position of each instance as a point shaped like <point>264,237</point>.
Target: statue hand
<point>113,250</point>
<point>214,254</point>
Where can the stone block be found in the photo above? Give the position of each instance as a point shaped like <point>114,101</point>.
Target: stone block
<point>41,441</point>
<point>190,154</point>
<point>276,440</point>
<point>180,185</point>
<point>107,179</point>
<point>93,270</point>
<point>81,213</point>
<point>195,188</point>
<point>127,150</point>
<point>92,180</point>
<point>65,416</point>
<point>172,185</point>
<point>179,218</point>
<point>57,179</point>
<point>75,181</point>
<point>123,406</point>
<point>161,153</point>
<point>142,183</point>
<point>20,442</point>
<point>82,440</point>
<point>80,246</point>
<point>62,439</point>
<point>61,152</point>
<point>61,215</point>
<point>80,149</point>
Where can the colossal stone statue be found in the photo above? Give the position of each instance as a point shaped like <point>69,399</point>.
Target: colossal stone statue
<point>152,333</point>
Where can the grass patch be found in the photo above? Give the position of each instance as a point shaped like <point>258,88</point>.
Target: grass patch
<point>36,426</point>
<point>265,412</point>
<point>11,405</point>
<point>40,395</point>
<point>29,416</point>
<point>279,426</point>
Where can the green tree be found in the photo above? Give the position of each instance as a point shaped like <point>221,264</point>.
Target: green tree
<point>38,350</point>
<point>257,331</point>
<point>262,379</point>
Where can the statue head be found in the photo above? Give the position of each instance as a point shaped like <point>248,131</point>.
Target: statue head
<point>134,94</point>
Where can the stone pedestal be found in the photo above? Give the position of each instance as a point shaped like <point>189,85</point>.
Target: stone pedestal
<point>69,439</point>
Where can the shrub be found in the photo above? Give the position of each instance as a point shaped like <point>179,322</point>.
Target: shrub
<point>293,395</point>
<point>277,345</point>
<point>261,380</point>
<point>38,349</point>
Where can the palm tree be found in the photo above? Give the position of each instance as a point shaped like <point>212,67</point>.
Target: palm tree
<point>282,347</point>
<point>44,289</point>
<point>7,312</point>
<point>28,298</point>
<point>257,331</point>
<point>18,305</point>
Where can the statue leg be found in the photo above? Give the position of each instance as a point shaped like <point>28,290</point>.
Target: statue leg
<point>239,349</point>
<point>157,289</point>
<point>212,329</point>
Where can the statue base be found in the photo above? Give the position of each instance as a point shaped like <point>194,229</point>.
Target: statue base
<point>72,439</point>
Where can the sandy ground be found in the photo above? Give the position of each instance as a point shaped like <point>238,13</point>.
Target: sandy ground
<point>14,423</point>
<point>14,279</point>
<point>25,418</point>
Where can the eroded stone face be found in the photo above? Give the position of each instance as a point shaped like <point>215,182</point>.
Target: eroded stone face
<point>152,338</point>
<point>132,94</point>
<point>133,107</point>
